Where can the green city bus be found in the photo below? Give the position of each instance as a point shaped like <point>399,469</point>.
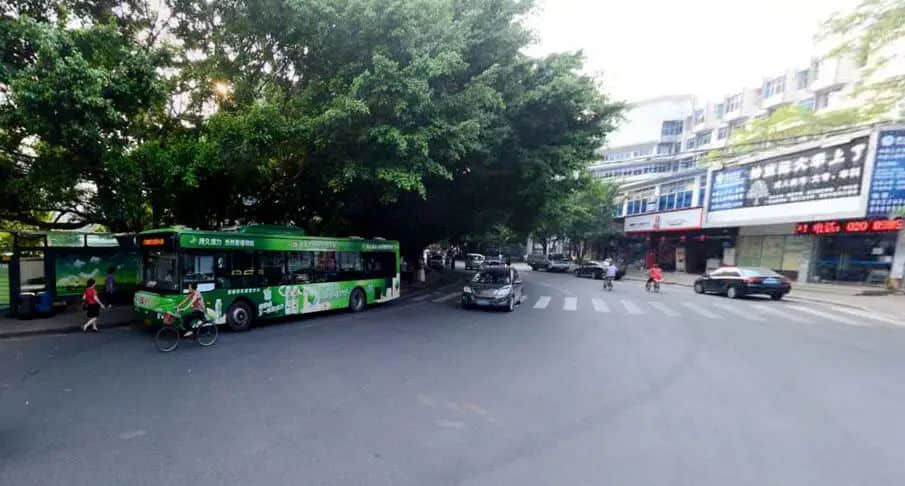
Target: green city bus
<point>262,272</point>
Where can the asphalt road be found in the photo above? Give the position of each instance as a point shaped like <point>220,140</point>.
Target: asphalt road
<point>630,389</point>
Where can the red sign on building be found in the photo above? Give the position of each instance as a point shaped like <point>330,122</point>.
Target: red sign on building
<point>851,226</point>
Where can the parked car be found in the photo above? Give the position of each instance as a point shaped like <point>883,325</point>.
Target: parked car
<point>595,270</point>
<point>436,260</point>
<point>738,281</point>
<point>474,261</point>
<point>493,257</point>
<point>538,261</point>
<point>494,287</point>
<point>560,263</point>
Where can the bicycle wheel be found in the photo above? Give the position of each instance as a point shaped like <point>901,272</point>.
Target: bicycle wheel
<point>207,333</point>
<point>167,339</point>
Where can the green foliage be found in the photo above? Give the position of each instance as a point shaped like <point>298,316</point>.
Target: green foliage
<point>413,119</point>
<point>583,216</point>
<point>872,34</point>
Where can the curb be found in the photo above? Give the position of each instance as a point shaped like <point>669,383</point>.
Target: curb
<point>60,330</point>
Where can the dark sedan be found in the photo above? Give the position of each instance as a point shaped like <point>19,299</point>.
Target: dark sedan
<point>494,287</point>
<point>738,281</point>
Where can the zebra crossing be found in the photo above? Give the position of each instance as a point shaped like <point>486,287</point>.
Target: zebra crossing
<point>712,309</point>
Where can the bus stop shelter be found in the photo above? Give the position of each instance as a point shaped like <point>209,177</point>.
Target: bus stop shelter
<point>43,270</point>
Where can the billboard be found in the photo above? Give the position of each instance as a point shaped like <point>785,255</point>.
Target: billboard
<point>817,174</point>
<point>74,269</point>
<point>684,219</point>
<point>826,181</point>
<point>887,189</point>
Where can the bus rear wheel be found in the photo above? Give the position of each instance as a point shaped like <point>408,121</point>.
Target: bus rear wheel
<point>357,302</point>
<point>239,317</point>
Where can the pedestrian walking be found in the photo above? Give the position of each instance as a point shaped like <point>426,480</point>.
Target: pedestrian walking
<point>110,285</point>
<point>92,304</point>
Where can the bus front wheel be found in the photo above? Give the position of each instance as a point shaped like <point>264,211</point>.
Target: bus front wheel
<point>239,316</point>
<point>357,300</point>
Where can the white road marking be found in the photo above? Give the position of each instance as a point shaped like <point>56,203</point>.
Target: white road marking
<point>446,297</point>
<point>600,306</point>
<point>733,309</point>
<point>542,302</point>
<point>785,315</point>
<point>826,315</point>
<point>869,315</point>
<point>420,298</point>
<point>570,304</point>
<point>631,308</point>
<point>700,310</point>
<point>663,308</point>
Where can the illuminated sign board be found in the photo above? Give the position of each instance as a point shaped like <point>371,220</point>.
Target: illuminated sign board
<point>848,227</point>
<point>153,242</point>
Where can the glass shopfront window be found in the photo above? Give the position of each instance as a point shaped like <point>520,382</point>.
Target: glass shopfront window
<point>862,258</point>
<point>781,253</point>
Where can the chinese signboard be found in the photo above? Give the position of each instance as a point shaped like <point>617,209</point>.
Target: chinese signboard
<point>887,190</point>
<point>854,226</point>
<point>685,219</point>
<point>811,175</point>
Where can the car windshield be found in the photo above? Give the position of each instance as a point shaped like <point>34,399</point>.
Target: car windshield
<point>491,278</point>
<point>558,257</point>
<point>758,272</point>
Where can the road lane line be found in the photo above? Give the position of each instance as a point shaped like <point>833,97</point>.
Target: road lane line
<point>869,315</point>
<point>826,315</point>
<point>733,309</point>
<point>570,304</point>
<point>542,302</point>
<point>631,308</point>
<point>600,306</point>
<point>660,306</point>
<point>421,297</point>
<point>776,312</point>
<point>446,297</point>
<point>700,310</point>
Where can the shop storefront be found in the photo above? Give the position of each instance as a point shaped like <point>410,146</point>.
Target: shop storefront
<point>676,241</point>
<point>776,247</point>
<point>853,251</point>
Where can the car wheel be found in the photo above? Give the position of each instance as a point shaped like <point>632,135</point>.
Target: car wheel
<point>776,296</point>
<point>510,306</point>
<point>733,293</point>
<point>239,317</point>
<point>699,288</point>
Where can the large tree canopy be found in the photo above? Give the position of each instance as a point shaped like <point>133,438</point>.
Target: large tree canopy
<point>412,119</point>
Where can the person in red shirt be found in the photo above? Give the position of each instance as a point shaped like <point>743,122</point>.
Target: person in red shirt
<point>92,304</point>
<point>654,275</point>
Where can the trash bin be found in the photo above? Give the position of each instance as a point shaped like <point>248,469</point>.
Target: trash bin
<point>44,304</point>
<point>26,309</point>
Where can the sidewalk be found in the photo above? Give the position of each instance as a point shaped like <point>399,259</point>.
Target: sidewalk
<point>65,321</point>
<point>865,298</point>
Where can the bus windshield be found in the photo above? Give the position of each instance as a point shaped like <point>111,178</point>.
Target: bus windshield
<point>159,270</point>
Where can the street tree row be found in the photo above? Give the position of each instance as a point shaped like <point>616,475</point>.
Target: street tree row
<point>410,119</point>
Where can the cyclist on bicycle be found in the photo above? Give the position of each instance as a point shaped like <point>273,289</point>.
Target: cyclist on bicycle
<point>655,275</point>
<point>611,270</point>
<point>195,300</point>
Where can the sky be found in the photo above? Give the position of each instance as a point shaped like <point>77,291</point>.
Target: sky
<point>708,48</point>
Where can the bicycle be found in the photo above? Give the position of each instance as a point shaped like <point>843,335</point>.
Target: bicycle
<point>652,288</point>
<point>168,336</point>
<point>608,283</point>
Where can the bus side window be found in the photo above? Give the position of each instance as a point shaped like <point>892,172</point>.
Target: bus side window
<point>242,271</point>
<point>270,264</point>
<point>349,265</point>
<point>326,267</point>
<point>221,271</point>
<point>301,267</point>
